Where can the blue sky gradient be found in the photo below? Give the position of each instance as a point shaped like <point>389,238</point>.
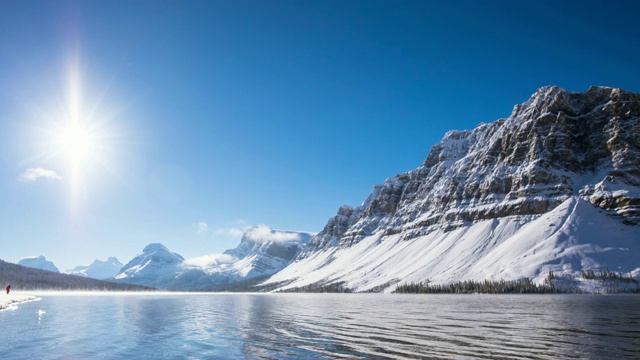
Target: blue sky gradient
<point>239,113</point>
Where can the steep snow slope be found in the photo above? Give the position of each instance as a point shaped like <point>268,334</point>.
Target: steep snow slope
<point>485,203</point>
<point>99,269</point>
<point>39,262</point>
<point>573,236</point>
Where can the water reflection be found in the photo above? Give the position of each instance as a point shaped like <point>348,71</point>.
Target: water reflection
<point>274,326</point>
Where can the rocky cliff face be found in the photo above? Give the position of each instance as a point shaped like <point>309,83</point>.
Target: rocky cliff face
<point>556,145</point>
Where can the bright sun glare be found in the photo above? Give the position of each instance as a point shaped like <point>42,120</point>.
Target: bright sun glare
<point>76,135</point>
<point>77,143</point>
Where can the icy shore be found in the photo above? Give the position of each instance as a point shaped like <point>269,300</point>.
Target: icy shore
<point>10,301</point>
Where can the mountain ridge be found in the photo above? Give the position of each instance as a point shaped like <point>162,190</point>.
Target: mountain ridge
<point>556,147</point>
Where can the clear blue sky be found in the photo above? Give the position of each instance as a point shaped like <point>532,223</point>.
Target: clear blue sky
<point>206,117</point>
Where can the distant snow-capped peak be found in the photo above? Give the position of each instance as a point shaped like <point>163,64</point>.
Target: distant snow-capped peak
<point>38,262</point>
<point>154,261</point>
<point>263,237</point>
<point>99,269</point>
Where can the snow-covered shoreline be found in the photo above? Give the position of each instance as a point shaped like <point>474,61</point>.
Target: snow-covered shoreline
<point>11,300</point>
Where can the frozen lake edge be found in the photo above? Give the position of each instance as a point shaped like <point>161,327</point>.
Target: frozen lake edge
<point>9,301</point>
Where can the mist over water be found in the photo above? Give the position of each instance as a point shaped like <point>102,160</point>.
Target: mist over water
<point>291,326</point>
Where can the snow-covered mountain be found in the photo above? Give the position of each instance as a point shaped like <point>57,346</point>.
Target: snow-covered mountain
<point>38,262</point>
<point>553,187</point>
<point>262,251</point>
<point>155,267</point>
<point>99,269</point>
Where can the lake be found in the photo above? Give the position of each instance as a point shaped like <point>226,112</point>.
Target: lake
<point>330,326</point>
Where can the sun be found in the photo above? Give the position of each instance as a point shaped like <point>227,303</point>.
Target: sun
<point>76,133</point>
<point>78,145</point>
<point>77,142</point>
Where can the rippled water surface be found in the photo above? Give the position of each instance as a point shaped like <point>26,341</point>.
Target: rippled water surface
<point>292,326</point>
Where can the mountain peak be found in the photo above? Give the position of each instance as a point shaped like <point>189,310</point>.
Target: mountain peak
<point>156,265</point>
<point>261,238</point>
<point>549,91</point>
<point>98,269</point>
<point>153,247</point>
<point>39,262</point>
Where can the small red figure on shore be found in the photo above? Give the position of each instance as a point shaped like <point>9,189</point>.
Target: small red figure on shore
<point>8,289</point>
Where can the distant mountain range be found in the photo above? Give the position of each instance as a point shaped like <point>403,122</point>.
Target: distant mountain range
<point>99,269</point>
<point>262,251</point>
<point>553,188</point>
<point>27,278</point>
